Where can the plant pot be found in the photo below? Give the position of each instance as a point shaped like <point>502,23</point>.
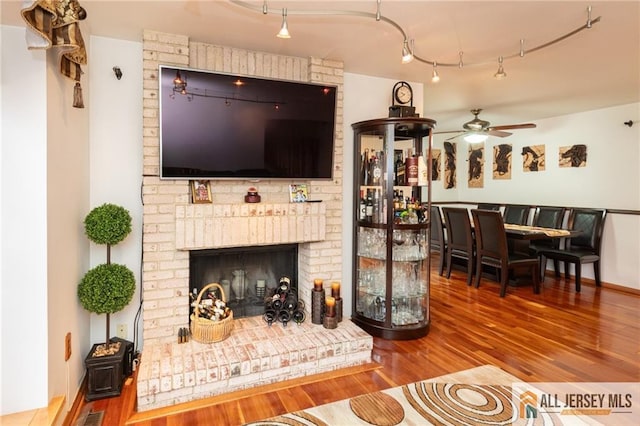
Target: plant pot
<point>105,374</point>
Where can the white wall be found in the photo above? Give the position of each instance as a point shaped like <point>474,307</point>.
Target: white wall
<point>67,201</point>
<point>116,160</point>
<point>23,226</point>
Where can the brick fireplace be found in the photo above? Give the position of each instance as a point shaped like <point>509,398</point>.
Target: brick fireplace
<point>172,227</point>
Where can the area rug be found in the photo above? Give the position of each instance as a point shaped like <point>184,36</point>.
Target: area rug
<point>478,396</point>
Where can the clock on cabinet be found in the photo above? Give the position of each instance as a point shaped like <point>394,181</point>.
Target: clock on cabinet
<point>402,101</point>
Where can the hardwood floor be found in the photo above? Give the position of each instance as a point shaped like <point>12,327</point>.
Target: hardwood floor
<point>555,336</point>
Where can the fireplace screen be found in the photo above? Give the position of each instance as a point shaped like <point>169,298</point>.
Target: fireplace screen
<point>246,274</point>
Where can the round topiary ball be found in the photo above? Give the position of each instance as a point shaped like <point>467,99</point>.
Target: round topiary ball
<point>107,224</point>
<point>107,288</point>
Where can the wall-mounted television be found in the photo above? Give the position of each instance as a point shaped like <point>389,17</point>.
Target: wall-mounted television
<point>224,126</point>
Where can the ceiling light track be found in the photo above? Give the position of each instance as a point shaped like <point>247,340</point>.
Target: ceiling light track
<point>264,9</point>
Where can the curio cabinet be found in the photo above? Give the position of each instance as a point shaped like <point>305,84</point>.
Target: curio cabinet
<point>392,198</point>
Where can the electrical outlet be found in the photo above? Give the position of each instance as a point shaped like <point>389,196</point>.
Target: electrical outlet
<point>122,331</point>
<point>67,347</point>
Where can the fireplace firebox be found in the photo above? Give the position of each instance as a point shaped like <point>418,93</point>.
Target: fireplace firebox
<point>246,274</point>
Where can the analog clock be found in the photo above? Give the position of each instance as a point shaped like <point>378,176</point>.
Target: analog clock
<point>402,93</point>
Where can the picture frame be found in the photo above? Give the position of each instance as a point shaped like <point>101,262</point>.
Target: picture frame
<point>298,193</point>
<point>201,192</point>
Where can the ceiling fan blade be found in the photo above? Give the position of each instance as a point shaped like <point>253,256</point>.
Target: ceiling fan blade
<point>448,131</point>
<point>499,133</point>
<point>514,126</point>
<point>449,139</point>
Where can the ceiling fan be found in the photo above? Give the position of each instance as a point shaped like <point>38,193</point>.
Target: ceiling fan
<point>478,130</point>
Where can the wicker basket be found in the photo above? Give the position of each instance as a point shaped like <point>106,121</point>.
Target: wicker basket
<point>204,330</point>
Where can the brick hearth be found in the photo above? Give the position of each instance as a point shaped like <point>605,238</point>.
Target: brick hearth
<point>255,354</point>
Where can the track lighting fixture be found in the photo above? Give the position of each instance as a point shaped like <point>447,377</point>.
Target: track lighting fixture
<point>408,51</point>
<point>284,31</point>
<point>500,74</point>
<point>434,75</point>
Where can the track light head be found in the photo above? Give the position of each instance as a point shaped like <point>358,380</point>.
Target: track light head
<point>407,52</point>
<point>284,30</point>
<point>500,74</point>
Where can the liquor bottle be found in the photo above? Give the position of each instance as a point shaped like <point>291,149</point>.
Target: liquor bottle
<point>376,170</point>
<point>269,316</point>
<point>375,213</point>
<point>284,285</point>
<point>363,206</point>
<point>298,316</point>
<point>284,316</point>
<point>364,172</point>
<point>276,302</point>
<point>290,302</point>
<point>411,170</point>
<point>400,172</point>
<point>369,207</point>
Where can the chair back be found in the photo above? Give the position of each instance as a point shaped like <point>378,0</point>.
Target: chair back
<point>458,225</point>
<point>437,230</point>
<point>590,223</point>
<point>488,206</point>
<point>548,217</point>
<point>516,215</point>
<point>491,238</point>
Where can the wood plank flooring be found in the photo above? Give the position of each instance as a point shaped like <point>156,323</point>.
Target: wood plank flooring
<point>557,335</point>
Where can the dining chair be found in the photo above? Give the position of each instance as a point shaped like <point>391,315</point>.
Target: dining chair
<point>516,214</point>
<point>437,240</point>
<point>488,206</point>
<point>547,217</point>
<point>582,248</point>
<point>459,239</point>
<point>492,250</point>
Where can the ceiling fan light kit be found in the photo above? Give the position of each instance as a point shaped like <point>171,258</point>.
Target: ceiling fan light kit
<point>478,130</point>
<point>408,51</point>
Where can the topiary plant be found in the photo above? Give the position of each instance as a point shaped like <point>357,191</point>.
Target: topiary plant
<point>108,287</point>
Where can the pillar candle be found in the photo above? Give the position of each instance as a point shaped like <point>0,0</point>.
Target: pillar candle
<point>335,290</point>
<point>330,303</point>
<point>317,284</point>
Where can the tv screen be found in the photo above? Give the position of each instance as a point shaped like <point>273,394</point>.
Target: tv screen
<point>223,126</point>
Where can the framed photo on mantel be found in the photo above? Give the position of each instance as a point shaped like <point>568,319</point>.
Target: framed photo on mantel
<point>298,193</point>
<point>200,191</point>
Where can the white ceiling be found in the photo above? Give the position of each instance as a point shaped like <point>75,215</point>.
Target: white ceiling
<point>596,68</point>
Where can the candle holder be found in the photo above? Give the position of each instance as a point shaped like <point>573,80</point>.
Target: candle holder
<point>330,322</point>
<point>317,306</point>
<point>339,309</point>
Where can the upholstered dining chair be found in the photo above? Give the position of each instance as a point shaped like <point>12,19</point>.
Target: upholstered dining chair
<point>488,206</point>
<point>547,217</point>
<point>459,239</point>
<point>582,248</point>
<point>437,240</point>
<point>516,214</point>
<point>492,250</point>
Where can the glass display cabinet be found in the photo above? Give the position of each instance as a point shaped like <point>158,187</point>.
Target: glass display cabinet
<point>391,226</point>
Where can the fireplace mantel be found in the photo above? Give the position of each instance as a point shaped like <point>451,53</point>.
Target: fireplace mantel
<point>206,226</point>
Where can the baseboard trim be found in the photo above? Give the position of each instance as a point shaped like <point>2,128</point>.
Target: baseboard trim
<point>73,413</point>
<point>591,283</point>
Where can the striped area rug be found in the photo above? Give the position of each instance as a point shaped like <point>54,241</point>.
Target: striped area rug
<point>479,396</point>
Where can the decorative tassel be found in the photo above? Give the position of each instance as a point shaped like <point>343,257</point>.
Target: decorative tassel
<point>77,96</point>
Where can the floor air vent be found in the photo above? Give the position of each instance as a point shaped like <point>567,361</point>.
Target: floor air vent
<point>94,419</point>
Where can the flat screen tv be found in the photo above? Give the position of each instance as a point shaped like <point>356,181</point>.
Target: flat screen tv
<point>223,126</point>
